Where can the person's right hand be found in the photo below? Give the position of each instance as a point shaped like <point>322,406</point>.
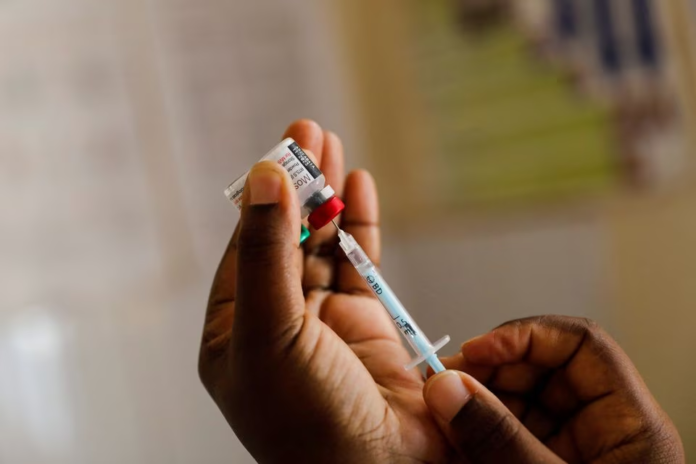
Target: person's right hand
<point>556,388</point>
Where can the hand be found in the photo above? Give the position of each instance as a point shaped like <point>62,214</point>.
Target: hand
<point>300,358</point>
<point>555,388</point>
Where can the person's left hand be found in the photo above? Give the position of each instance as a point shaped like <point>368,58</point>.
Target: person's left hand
<point>301,359</point>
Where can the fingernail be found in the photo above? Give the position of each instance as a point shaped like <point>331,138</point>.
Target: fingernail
<point>264,185</point>
<point>446,395</point>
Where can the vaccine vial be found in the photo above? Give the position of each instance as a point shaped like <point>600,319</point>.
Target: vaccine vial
<point>319,203</point>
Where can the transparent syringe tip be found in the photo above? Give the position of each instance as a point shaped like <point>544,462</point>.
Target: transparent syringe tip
<point>355,254</point>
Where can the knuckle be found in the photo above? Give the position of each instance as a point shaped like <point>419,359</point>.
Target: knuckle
<point>587,330</point>
<point>581,326</point>
<point>592,331</point>
<point>590,325</point>
<point>515,324</point>
<point>568,324</point>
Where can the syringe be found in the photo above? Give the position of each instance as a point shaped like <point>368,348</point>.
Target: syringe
<point>419,342</point>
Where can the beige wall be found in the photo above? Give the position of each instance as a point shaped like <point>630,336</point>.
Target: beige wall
<point>653,246</point>
<point>653,251</point>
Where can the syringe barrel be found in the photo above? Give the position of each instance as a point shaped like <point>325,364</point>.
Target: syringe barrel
<point>417,340</point>
<point>401,318</point>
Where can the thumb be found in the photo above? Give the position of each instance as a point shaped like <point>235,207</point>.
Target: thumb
<point>270,304</point>
<point>478,425</point>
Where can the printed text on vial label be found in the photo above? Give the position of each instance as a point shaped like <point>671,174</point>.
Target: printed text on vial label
<point>299,175</point>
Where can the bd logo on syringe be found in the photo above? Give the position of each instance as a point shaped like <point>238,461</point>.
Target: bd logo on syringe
<point>371,280</point>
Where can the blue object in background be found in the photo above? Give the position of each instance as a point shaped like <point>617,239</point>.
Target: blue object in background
<point>609,54</point>
<point>646,36</point>
<point>566,19</point>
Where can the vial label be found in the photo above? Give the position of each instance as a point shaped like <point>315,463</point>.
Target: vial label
<point>305,160</point>
<point>301,169</point>
<point>295,161</point>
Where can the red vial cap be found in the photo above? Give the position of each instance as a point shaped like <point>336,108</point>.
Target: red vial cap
<point>326,213</point>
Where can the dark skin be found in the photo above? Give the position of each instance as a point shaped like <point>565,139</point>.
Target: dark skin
<point>306,366</point>
<point>571,390</point>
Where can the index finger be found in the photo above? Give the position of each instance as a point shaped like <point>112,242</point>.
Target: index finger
<point>594,364</point>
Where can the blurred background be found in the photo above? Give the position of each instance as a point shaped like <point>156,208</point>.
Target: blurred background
<point>533,157</point>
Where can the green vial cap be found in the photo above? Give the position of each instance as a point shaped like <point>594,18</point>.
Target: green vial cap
<point>304,234</point>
